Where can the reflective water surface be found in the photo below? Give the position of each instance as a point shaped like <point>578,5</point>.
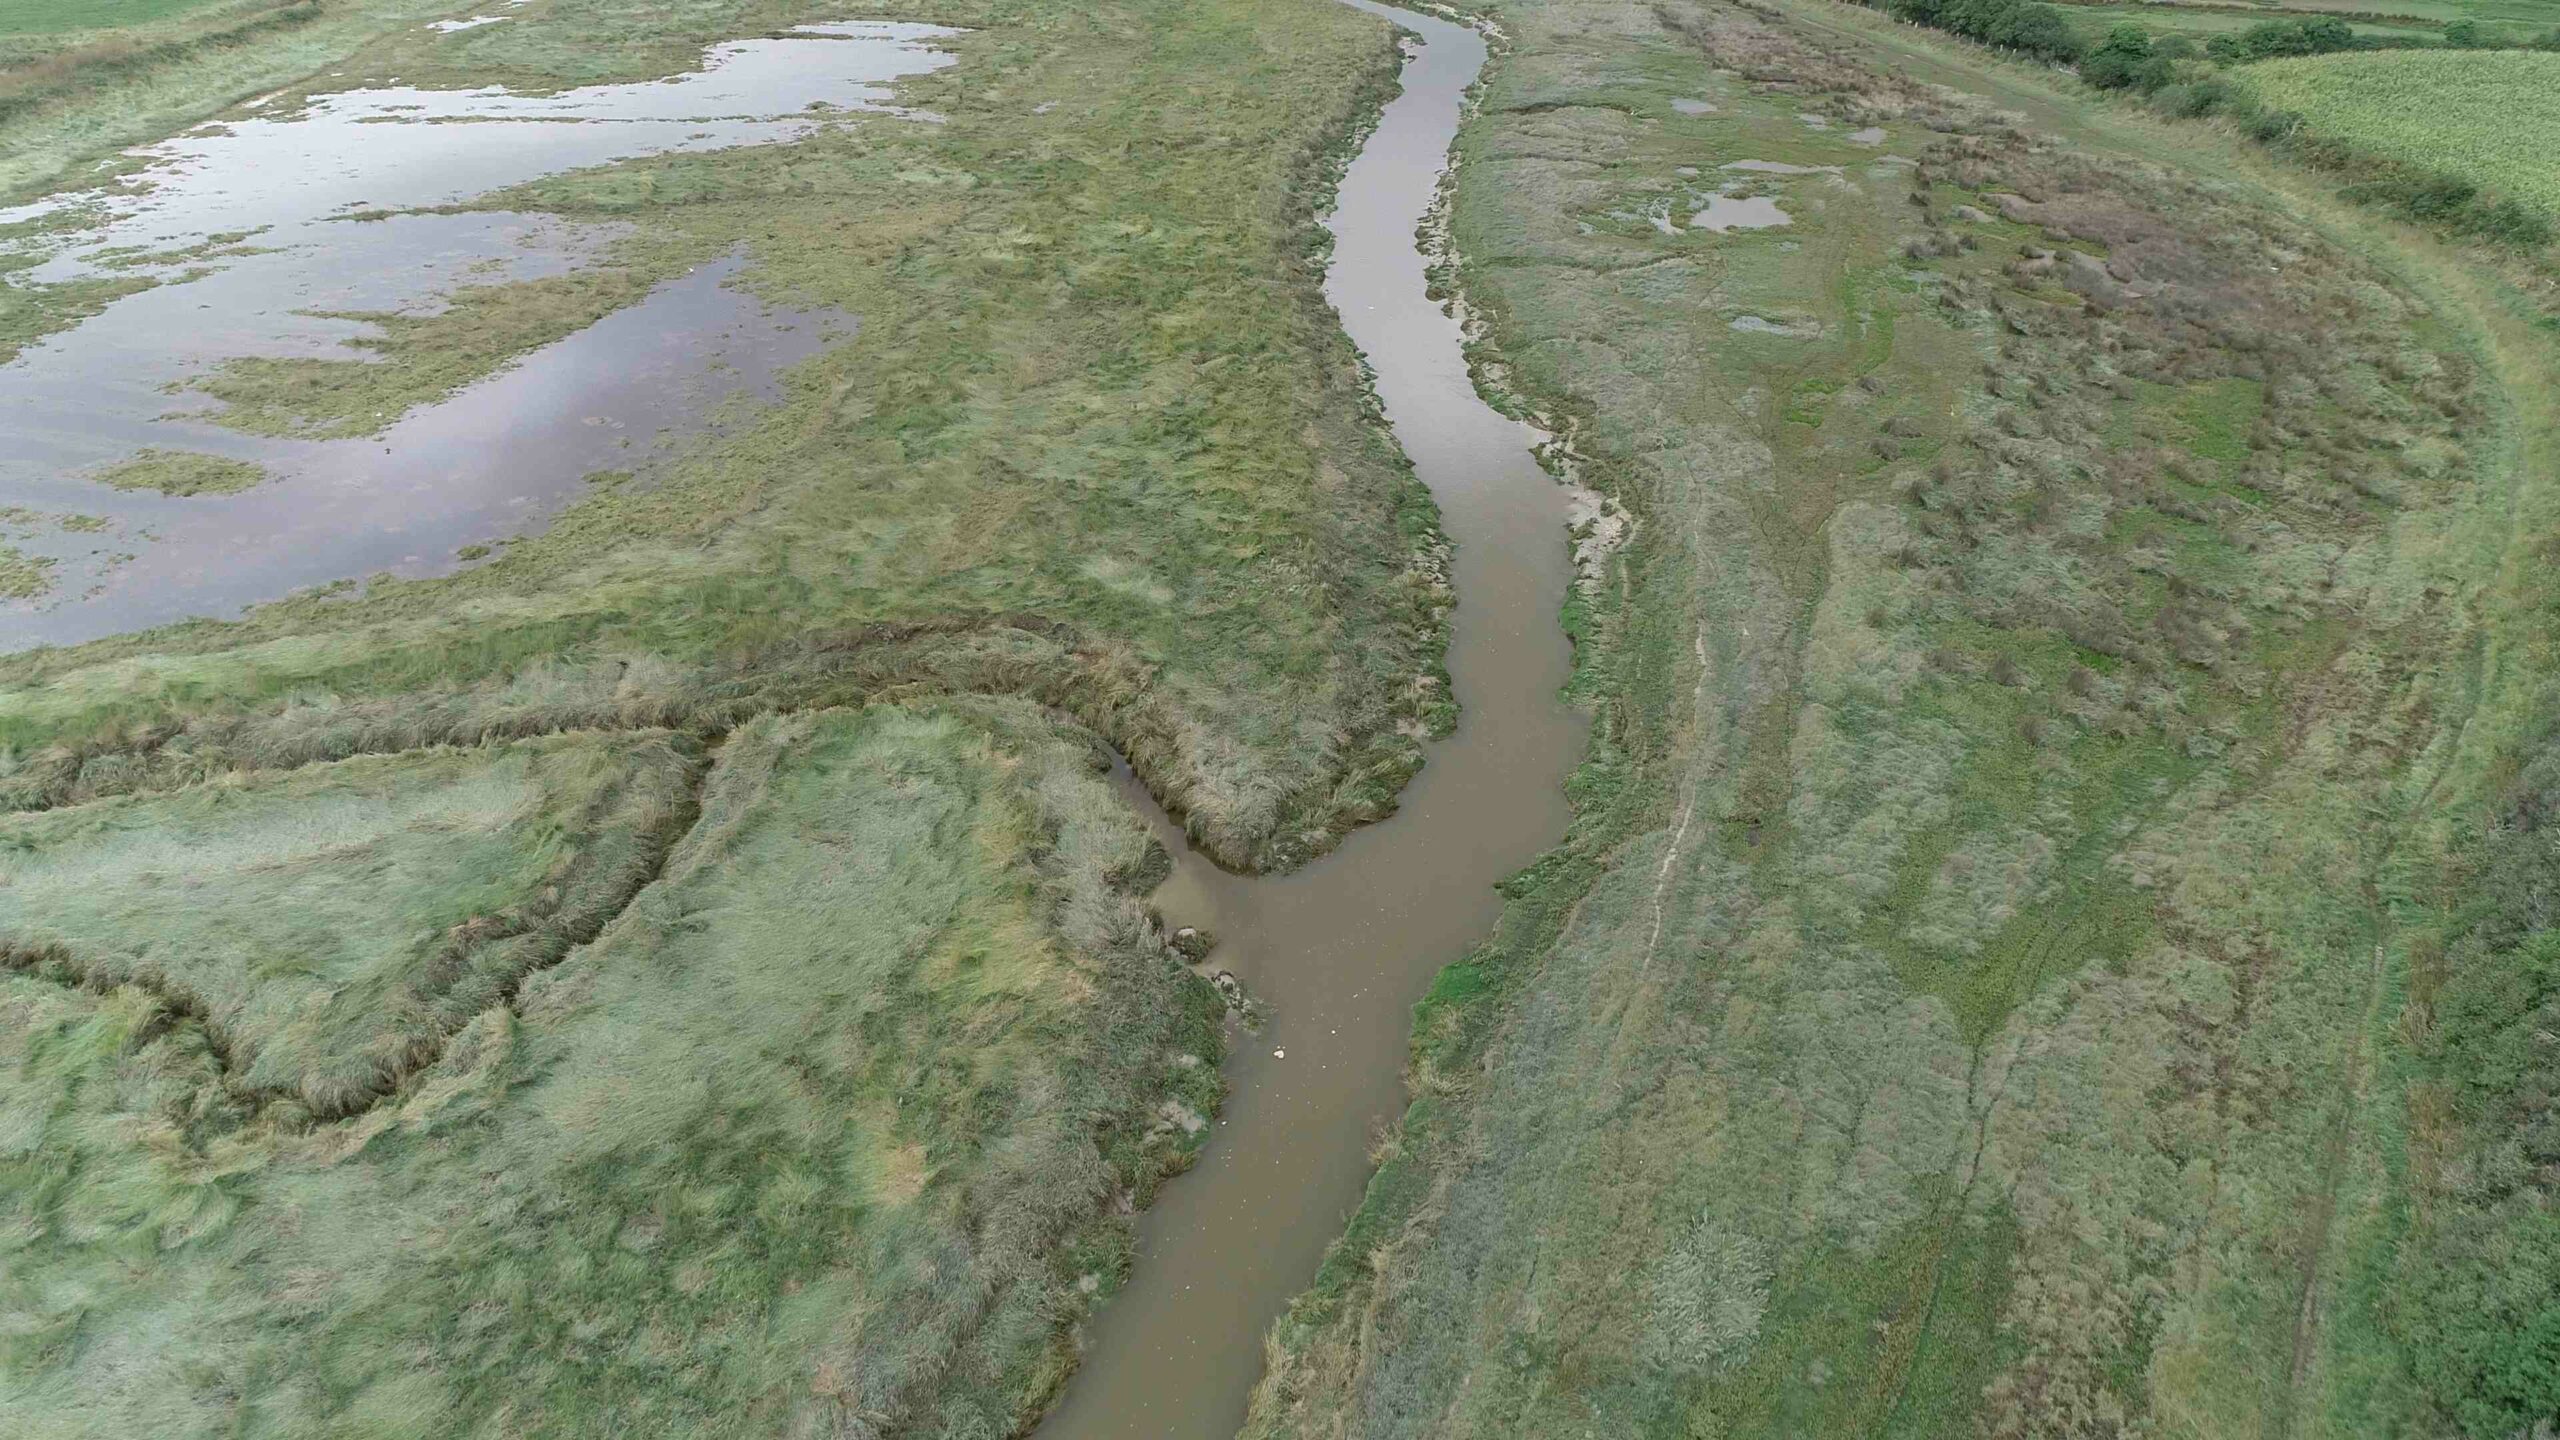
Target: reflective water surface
<point>263,230</point>
<point>1738,212</point>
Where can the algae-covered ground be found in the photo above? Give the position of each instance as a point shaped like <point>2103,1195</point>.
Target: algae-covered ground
<point>2055,936</point>
<point>689,974</point>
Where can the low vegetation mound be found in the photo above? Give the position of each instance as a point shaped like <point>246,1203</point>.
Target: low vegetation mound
<point>412,360</point>
<point>183,472</point>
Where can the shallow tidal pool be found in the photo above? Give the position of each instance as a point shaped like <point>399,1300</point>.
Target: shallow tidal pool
<point>288,231</point>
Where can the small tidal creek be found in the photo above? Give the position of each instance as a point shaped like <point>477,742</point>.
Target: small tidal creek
<point>1339,952</point>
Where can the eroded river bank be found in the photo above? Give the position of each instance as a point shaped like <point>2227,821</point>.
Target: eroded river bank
<point>1340,951</point>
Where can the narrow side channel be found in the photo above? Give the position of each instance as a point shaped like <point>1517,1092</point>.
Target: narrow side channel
<point>1340,951</point>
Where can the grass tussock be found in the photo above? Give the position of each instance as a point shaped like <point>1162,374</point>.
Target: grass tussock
<point>24,576</point>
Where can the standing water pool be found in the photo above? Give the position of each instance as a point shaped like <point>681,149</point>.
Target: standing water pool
<point>273,233</point>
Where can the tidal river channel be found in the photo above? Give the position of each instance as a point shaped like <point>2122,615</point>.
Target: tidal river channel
<point>1340,951</point>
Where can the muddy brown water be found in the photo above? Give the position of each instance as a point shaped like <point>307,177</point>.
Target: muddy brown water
<point>1340,951</point>
<point>265,229</point>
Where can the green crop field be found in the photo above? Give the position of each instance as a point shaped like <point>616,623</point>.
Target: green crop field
<point>2492,118</point>
<point>2527,15</point>
<point>45,17</point>
<point>2407,22</point>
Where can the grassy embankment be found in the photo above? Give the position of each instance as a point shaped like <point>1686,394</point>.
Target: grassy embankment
<point>684,974</point>
<point>1996,980</point>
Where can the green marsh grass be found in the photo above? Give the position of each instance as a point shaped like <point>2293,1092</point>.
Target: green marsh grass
<point>329,928</point>
<point>1094,383</point>
<point>24,576</point>
<point>338,1112</point>
<point>1966,1002</point>
<point>823,1131</point>
<point>183,472</point>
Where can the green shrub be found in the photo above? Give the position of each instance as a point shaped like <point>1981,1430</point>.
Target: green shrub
<point>2187,100</point>
<point>2268,126</point>
<point>2116,62</point>
<point>2477,1309</point>
<point>2319,35</point>
<point>2023,25</point>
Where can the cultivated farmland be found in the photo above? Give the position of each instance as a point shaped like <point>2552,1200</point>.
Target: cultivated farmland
<point>2488,117</point>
